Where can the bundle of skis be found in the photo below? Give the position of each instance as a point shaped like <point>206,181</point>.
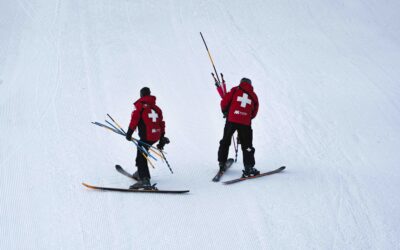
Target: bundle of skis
<point>116,128</point>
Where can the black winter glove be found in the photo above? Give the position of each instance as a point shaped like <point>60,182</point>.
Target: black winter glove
<point>162,142</point>
<point>225,113</point>
<point>129,134</point>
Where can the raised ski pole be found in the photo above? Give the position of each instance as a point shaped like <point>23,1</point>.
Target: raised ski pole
<point>220,88</point>
<point>209,55</point>
<point>216,77</point>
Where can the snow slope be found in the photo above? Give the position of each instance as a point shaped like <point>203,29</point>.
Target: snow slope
<point>327,75</point>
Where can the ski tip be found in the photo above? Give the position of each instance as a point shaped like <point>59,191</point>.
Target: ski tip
<point>162,191</point>
<point>283,167</point>
<point>87,185</point>
<point>184,191</point>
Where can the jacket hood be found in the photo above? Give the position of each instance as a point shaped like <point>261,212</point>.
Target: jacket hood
<point>246,86</point>
<point>149,99</point>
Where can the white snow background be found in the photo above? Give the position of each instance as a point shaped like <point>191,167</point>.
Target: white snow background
<point>327,76</point>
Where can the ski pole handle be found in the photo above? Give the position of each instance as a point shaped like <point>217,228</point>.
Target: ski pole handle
<point>218,85</point>
<point>223,83</point>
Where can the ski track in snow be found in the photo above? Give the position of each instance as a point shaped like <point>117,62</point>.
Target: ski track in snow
<point>326,75</point>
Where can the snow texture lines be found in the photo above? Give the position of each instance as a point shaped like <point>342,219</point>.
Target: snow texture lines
<point>326,75</point>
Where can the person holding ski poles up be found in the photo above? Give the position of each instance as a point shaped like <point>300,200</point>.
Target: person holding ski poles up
<point>147,116</point>
<point>239,106</point>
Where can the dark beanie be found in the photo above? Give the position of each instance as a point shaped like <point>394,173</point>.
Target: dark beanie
<point>144,92</point>
<point>245,80</point>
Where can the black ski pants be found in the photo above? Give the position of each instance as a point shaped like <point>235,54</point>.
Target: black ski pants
<point>246,140</point>
<point>141,161</point>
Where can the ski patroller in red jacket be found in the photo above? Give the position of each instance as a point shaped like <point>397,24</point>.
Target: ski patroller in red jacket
<point>148,117</point>
<point>241,104</point>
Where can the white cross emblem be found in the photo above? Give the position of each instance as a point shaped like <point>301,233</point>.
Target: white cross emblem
<point>153,115</point>
<point>244,100</point>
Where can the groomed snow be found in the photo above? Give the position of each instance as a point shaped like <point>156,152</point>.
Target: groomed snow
<point>327,76</point>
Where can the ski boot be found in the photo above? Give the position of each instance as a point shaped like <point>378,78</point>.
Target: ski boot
<point>143,183</point>
<point>136,176</point>
<point>250,171</point>
<point>222,166</point>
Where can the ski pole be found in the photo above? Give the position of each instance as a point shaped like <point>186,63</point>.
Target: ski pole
<point>223,83</point>
<point>116,123</point>
<point>161,151</point>
<point>219,88</point>
<point>209,55</point>
<point>145,156</point>
<point>151,146</point>
<point>143,149</point>
<point>113,126</point>
<point>148,145</point>
<point>140,146</point>
<point>236,146</point>
<point>216,77</point>
<point>115,130</point>
<point>120,133</point>
<point>106,127</point>
<point>166,161</point>
<point>158,154</point>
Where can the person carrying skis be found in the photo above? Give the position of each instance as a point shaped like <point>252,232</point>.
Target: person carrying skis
<point>148,118</point>
<point>239,106</point>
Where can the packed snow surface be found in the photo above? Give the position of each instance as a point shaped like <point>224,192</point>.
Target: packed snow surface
<point>327,76</point>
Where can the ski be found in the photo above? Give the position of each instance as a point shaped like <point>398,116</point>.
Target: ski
<point>124,172</point>
<point>252,177</point>
<point>155,190</point>
<point>218,176</point>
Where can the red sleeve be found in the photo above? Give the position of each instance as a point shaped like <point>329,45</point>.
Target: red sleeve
<point>226,101</point>
<point>255,110</point>
<point>135,116</point>
<point>162,122</point>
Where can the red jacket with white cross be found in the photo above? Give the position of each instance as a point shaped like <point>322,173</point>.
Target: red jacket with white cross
<point>241,104</point>
<point>147,116</point>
